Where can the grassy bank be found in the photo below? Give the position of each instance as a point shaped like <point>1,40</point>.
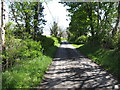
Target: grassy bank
<point>109,59</point>
<point>51,50</point>
<point>28,72</point>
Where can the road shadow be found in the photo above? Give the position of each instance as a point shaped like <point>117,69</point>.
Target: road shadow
<point>70,69</point>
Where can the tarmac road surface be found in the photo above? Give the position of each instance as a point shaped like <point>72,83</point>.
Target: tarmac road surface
<point>70,69</point>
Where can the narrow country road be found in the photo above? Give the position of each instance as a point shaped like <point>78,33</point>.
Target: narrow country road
<point>70,69</point>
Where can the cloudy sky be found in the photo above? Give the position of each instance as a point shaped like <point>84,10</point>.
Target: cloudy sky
<point>55,11</point>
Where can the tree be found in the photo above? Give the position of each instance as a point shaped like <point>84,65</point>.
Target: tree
<point>54,29</point>
<point>115,29</point>
<point>60,32</point>
<point>28,17</point>
<point>93,19</point>
<point>2,31</point>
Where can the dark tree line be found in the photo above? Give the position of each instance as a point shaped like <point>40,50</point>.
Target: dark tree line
<point>98,21</point>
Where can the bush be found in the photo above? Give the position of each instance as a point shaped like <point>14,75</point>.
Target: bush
<point>81,39</point>
<point>71,38</point>
<point>28,71</point>
<point>30,49</point>
<point>109,59</point>
<point>118,41</point>
<point>107,42</point>
<point>49,45</point>
<point>26,60</point>
<point>52,49</point>
<point>11,52</point>
<point>111,42</point>
<point>46,42</point>
<point>56,41</point>
<point>17,49</point>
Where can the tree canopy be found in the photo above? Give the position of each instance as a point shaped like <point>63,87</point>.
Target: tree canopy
<point>97,20</point>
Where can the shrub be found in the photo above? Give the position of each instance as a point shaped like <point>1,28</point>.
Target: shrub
<point>17,49</point>
<point>56,41</point>
<point>30,49</point>
<point>109,59</point>
<point>46,42</point>
<point>81,39</point>
<point>11,51</point>
<point>29,70</point>
<point>49,45</point>
<point>118,41</point>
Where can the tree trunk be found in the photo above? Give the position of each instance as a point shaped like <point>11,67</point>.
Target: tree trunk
<point>91,20</point>
<point>2,31</point>
<point>36,7</point>
<point>15,17</point>
<point>27,23</point>
<point>117,21</point>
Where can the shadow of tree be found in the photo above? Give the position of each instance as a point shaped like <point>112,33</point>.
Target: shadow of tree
<point>71,69</point>
<point>49,49</point>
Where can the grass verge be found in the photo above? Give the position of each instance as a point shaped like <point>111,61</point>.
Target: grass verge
<point>109,59</point>
<point>77,46</point>
<point>28,72</point>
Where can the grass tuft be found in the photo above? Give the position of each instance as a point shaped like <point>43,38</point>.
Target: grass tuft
<point>26,74</point>
<point>109,59</point>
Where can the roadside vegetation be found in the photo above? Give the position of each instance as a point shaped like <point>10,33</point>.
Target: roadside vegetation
<point>26,53</point>
<point>28,63</point>
<point>107,58</point>
<point>110,59</point>
<point>94,29</point>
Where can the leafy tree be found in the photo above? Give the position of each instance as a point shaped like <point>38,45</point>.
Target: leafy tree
<point>117,21</point>
<point>28,17</point>
<point>54,29</point>
<point>96,20</point>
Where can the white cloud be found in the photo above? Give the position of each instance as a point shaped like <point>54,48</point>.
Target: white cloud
<point>55,12</point>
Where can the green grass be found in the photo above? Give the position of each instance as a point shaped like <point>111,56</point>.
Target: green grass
<point>109,59</point>
<point>26,74</point>
<point>56,42</point>
<point>77,46</point>
<point>62,39</point>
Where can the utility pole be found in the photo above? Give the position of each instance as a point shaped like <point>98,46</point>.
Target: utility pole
<point>2,31</point>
